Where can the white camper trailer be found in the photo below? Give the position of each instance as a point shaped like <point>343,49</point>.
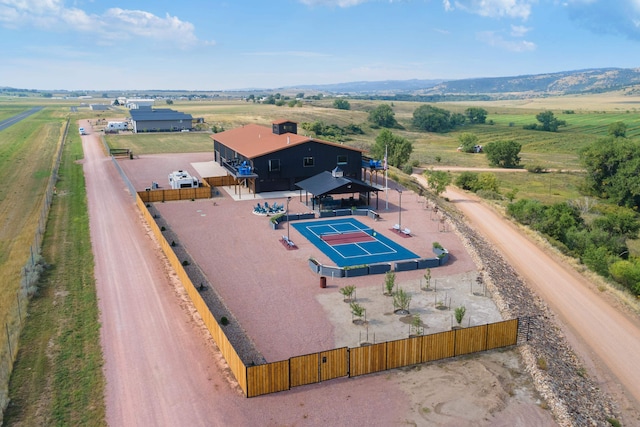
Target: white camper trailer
<point>182,179</point>
<point>116,126</point>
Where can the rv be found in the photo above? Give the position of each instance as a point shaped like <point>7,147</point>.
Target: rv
<point>82,131</point>
<point>182,179</point>
<point>116,126</point>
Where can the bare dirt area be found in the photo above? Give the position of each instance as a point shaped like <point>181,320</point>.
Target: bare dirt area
<point>281,305</point>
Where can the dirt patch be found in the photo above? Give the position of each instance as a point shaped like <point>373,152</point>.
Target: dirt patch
<point>384,324</point>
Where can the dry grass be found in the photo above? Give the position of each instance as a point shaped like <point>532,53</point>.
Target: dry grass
<point>26,157</point>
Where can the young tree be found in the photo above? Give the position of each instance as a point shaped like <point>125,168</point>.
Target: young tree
<point>341,104</point>
<point>401,300</point>
<point>357,310</point>
<point>438,180</point>
<point>347,292</point>
<point>389,282</point>
<point>417,327</point>
<point>460,312</point>
<point>468,142</point>
<point>397,148</point>
<point>503,153</point>
<point>383,116</point>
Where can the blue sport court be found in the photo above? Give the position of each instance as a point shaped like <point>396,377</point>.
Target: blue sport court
<point>348,242</point>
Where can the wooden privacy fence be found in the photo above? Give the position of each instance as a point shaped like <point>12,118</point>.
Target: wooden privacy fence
<point>228,352</point>
<point>353,362</point>
<point>161,195</point>
<point>341,362</point>
<point>220,181</point>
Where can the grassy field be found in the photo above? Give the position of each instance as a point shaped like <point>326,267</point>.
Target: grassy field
<point>553,150</point>
<point>26,159</point>
<point>58,376</point>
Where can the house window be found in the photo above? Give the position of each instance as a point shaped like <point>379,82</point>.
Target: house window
<point>342,160</point>
<point>308,162</point>
<point>274,165</point>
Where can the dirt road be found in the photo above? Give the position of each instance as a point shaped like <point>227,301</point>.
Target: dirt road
<point>605,337</point>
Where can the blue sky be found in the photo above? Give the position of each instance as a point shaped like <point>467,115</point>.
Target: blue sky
<point>236,44</point>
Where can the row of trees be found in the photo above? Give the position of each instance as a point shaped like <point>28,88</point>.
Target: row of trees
<point>426,117</point>
<point>599,243</point>
<point>331,131</point>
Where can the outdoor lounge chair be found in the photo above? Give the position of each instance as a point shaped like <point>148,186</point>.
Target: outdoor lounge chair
<point>396,227</point>
<point>406,231</point>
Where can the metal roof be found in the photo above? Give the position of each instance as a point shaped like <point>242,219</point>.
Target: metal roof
<point>156,114</point>
<point>253,140</point>
<point>326,183</point>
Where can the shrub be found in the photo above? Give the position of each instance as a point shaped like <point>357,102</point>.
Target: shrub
<point>401,300</point>
<point>185,263</point>
<point>467,181</point>
<point>224,321</point>
<point>542,364</point>
<point>347,291</point>
<point>535,168</point>
<point>162,228</point>
<point>459,313</point>
<point>408,169</point>
<point>356,309</point>
<point>389,282</point>
<point>489,195</point>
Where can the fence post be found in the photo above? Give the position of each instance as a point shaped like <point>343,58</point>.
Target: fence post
<point>19,311</point>
<point>6,327</point>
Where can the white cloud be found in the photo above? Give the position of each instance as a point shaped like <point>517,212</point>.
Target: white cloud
<point>493,38</point>
<point>519,30</point>
<point>620,17</point>
<point>114,24</point>
<point>494,8</point>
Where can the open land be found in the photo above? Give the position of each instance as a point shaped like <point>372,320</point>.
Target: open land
<point>136,321</point>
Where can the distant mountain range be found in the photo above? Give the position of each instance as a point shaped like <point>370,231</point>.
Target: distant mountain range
<point>566,82</point>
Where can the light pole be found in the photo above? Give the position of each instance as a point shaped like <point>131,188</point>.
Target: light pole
<point>400,208</point>
<point>288,200</point>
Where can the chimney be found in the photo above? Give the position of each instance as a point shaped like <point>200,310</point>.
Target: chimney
<point>288,140</point>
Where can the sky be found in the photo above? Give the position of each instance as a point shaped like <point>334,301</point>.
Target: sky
<point>239,44</point>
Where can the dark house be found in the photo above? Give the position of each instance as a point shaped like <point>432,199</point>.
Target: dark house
<point>147,119</point>
<point>276,158</point>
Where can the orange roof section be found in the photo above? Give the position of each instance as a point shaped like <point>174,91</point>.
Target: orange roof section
<point>253,140</point>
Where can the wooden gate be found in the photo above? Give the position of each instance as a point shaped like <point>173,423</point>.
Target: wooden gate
<point>334,363</point>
